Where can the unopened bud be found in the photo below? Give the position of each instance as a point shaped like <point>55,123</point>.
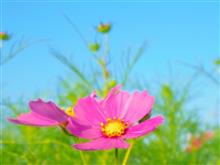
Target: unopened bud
<point>4,36</point>
<point>94,47</point>
<point>104,28</point>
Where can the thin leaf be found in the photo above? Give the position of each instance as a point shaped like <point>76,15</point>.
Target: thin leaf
<point>131,64</point>
<point>63,59</point>
<point>17,48</point>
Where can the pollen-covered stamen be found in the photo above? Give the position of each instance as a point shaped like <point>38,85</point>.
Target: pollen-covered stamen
<point>113,127</point>
<point>69,111</point>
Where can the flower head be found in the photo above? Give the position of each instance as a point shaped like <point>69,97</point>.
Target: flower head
<point>208,135</point>
<point>104,28</point>
<point>108,122</point>
<point>44,114</point>
<point>4,36</point>
<point>94,47</point>
<point>196,142</point>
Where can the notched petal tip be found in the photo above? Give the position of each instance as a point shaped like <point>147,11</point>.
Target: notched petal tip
<point>82,147</point>
<point>160,119</point>
<point>36,101</point>
<point>77,147</point>
<point>116,89</point>
<point>40,101</point>
<point>48,110</point>
<point>102,144</point>
<point>144,128</point>
<point>93,94</point>
<point>13,120</point>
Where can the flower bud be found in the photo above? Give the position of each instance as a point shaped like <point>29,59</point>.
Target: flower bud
<point>104,28</point>
<point>94,47</point>
<point>4,36</point>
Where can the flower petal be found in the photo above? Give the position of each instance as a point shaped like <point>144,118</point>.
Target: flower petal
<point>125,106</point>
<point>102,144</point>
<point>33,120</point>
<point>82,131</point>
<point>137,106</point>
<point>93,94</point>
<point>144,127</point>
<point>113,104</point>
<point>113,92</point>
<point>88,112</point>
<point>48,110</point>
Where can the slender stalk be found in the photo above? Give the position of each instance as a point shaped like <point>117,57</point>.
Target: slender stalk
<point>102,61</point>
<point>116,156</point>
<point>104,56</point>
<point>131,63</point>
<point>81,154</point>
<point>63,59</point>
<point>104,157</point>
<point>82,157</point>
<point>204,71</point>
<point>106,44</point>
<point>78,141</point>
<point>76,29</point>
<point>128,153</point>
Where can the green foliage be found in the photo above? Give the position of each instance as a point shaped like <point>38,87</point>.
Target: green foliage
<point>167,145</point>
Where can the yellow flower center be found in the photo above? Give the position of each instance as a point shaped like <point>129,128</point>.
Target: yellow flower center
<point>113,127</point>
<point>69,111</point>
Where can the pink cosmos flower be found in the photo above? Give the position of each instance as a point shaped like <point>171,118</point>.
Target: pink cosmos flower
<point>108,122</point>
<point>196,142</point>
<point>208,135</point>
<point>43,114</point>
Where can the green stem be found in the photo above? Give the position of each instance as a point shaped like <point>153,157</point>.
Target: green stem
<point>128,153</point>
<point>81,154</point>
<point>116,156</point>
<point>78,141</point>
<point>106,44</point>
<point>103,58</point>
<point>82,158</point>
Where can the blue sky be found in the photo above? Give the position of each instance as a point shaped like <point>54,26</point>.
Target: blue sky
<point>175,31</point>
